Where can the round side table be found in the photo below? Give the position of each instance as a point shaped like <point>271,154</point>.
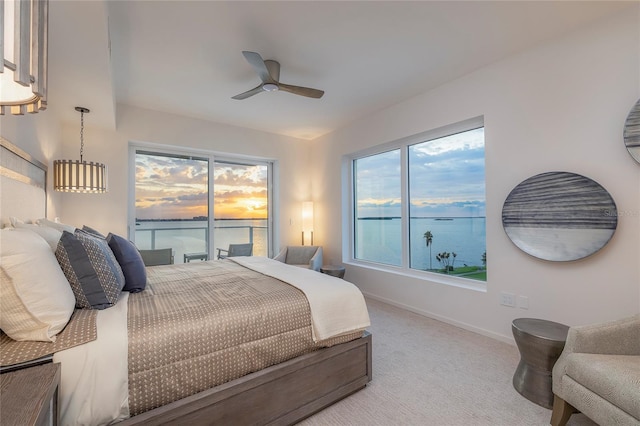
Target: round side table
<point>540,343</point>
<point>333,270</point>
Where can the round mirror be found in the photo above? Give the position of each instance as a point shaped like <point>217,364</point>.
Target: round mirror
<point>559,216</point>
<point>632,132</point>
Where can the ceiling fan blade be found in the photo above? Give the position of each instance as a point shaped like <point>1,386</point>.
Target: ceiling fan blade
<point>258,64</point>
<point>249,93</point>
<point>303,91</point>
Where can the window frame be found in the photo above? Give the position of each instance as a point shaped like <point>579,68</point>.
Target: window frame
<point>349,209</point>
<point>211,157</point>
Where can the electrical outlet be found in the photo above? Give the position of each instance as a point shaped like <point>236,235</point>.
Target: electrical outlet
<point>523,302</point>
<point>508,299</point>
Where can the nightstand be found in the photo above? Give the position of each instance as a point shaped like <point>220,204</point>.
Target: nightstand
<point>333,270</point>
<point>30,396</point>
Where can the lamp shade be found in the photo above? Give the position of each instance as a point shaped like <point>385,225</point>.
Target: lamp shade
<point>307,216</point>
<point>79,176</point>
<point>23,47</point>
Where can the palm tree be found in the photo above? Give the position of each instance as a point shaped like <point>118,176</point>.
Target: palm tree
<point>429,238</point>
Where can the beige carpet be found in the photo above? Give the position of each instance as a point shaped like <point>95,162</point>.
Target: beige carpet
<point>426,372</point>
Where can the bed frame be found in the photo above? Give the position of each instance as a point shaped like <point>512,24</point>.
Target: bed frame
<point>282,394</point>
<point>279,395</point>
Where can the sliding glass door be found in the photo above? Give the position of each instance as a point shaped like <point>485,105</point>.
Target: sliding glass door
<point>172,204</point>
<point>241,205</point>
<point>195,204</point>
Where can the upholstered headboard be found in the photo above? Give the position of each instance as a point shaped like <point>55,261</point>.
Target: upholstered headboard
<point>23,184</point>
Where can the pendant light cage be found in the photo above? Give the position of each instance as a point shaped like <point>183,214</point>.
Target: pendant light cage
<point>79,175</point>
<point>23,52</point>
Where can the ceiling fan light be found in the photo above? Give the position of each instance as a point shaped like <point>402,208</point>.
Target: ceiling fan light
<point>270,87</point>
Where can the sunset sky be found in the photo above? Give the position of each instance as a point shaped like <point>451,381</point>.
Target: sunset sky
<point>176,188</point>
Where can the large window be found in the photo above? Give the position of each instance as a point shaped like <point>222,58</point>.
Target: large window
<point>197,203</point>
<point>432,221</point>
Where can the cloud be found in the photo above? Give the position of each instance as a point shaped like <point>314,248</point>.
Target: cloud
<point>446,177</point>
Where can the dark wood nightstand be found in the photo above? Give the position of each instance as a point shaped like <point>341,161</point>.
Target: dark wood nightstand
<point>30,396</point>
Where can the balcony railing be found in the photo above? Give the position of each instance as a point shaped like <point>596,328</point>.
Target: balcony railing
<point>195,239</point>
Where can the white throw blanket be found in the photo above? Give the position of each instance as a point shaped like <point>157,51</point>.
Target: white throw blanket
<point>337,306</point>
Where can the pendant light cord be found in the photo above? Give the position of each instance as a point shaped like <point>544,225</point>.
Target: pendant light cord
<point>81,134</point>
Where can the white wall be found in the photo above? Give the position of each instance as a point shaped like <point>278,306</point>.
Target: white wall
<point>558,107</point>
<point>108,212</point>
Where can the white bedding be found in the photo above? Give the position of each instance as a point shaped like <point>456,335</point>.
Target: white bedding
<point>337,306</point>
<point>94,378</point>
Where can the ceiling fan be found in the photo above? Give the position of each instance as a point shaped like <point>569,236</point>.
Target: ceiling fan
<point>269,73</point>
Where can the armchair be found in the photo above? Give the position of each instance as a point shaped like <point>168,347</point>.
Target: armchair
<point>236,250</point>
<point>598,374</point>
<point>302,256</point>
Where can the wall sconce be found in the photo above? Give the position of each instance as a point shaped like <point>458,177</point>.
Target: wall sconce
<point>307,219</point>
<point>23,48</point>
<point>79,176</point>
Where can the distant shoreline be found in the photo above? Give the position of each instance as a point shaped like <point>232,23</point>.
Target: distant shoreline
<point>421,217</point>
<point>200,219</point>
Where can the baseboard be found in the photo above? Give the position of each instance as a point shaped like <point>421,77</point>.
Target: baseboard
<point>447,320</point>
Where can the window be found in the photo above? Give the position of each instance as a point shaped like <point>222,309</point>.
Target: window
<point>434,220</point>
<point>378,208</point>
<point>194,204</point>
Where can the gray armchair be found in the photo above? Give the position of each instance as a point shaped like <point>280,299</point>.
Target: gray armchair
<point>598,373</point>
<point>236,250</point>
<point>303,256</point>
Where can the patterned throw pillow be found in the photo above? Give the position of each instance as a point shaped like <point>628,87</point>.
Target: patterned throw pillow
<point>93,232</point>
<point>91,268</point>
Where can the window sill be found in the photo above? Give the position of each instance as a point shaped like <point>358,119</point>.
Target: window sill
<point>431,277</point>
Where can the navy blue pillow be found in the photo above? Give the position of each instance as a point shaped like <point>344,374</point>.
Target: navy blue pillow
<point>130,260</point>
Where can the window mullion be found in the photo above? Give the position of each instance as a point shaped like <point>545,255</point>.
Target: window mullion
<point>404,194</point>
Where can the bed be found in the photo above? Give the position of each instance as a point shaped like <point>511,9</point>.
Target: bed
<point>239,341</point>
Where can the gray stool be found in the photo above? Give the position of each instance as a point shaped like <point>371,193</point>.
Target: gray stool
<point>540,343</point>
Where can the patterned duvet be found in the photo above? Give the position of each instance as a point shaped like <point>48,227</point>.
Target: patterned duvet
<point>202,324</point>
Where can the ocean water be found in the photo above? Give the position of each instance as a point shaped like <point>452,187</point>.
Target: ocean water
<point>190,236</point>
<point>380,240</point>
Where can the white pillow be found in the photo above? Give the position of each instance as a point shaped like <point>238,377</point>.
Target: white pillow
<point>57,225</point>
<point>35,297</point>
<point>50,235</point>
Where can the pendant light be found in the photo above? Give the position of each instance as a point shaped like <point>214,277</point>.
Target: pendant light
<point>23,54</point>
<point>79,176</point>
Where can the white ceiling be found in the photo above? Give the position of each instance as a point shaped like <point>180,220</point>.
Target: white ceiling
<point>184,57</point>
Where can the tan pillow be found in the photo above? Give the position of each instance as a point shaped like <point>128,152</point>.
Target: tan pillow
<point>36,300</point>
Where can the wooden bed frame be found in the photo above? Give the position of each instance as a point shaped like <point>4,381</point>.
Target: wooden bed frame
<point>279,395</point>
<point>282,394</point>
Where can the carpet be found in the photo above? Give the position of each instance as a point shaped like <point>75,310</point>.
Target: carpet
<point>426,372</point>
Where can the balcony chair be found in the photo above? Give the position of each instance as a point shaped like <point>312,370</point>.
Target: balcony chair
<point>302,256</point>
<point>157,257</point>
<point>236,250</point>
